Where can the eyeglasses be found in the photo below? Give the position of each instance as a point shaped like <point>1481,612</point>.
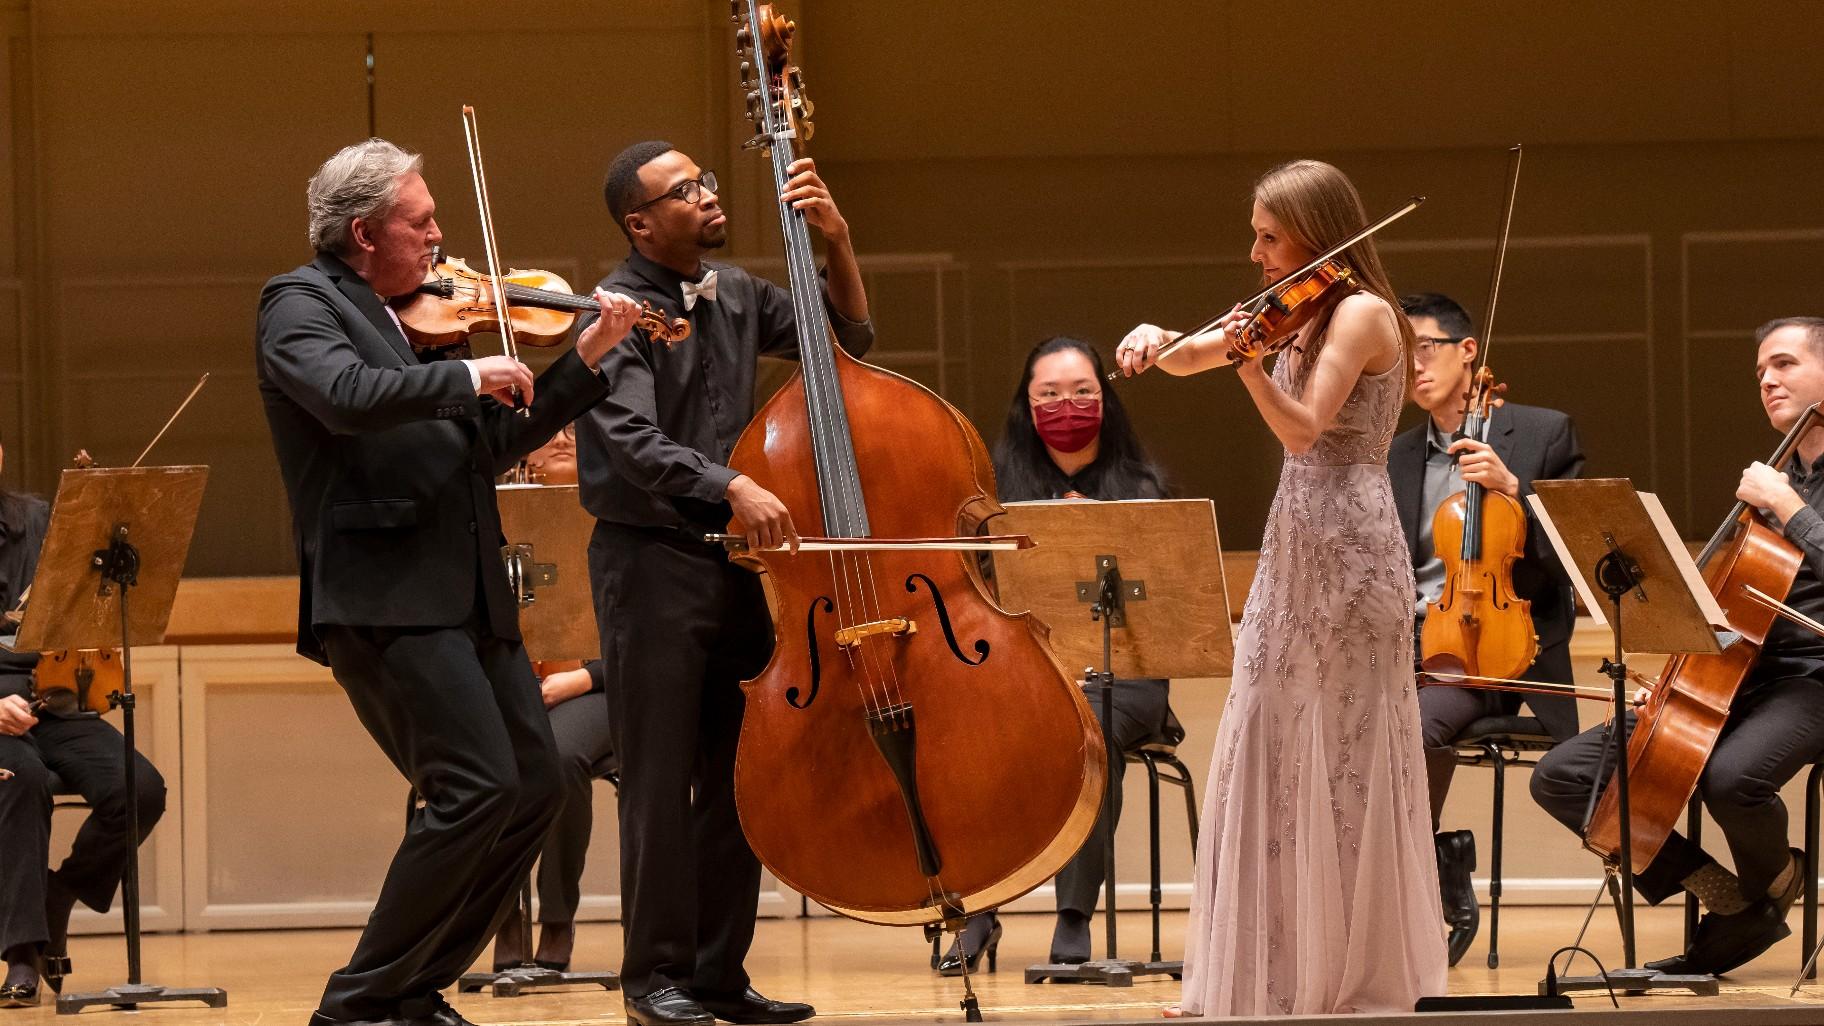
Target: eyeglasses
<point>1428,347</point>
<point>1051,402</point>
<point>689,190</point>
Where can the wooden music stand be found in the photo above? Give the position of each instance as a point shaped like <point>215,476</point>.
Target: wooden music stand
<point>1135,587</point>
<point>547,531</point>
<point>106,576</point>
<point>1619,543</point>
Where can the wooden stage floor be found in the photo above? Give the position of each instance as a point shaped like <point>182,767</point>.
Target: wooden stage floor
<point>876,976</point>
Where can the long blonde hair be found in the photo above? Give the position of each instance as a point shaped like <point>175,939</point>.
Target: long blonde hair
<point>1318,207</point>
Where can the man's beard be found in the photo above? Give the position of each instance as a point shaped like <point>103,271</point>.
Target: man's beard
<point>714,237</point>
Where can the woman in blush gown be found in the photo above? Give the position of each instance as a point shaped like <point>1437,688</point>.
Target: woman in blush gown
<point>1316,887</point>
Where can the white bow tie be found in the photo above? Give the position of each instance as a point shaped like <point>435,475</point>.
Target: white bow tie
<point>694,291</point>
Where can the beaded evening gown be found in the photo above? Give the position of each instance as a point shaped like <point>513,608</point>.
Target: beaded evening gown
<point>1316,886</point>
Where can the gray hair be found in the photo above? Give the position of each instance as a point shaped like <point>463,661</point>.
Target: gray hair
<point>359,181</point>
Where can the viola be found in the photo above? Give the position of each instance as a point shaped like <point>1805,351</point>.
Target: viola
<point>912,752</point>
<point>88,676</point>
<point>1749,567</point>
<point>1478,626</point>
<point>455,301</point>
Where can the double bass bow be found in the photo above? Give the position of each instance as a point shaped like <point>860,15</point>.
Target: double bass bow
<point>1478,629</point>
<point>912,753</point>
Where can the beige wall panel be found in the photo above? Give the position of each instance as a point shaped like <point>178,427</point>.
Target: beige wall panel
<point>1560,72</point>
<point>188,153</point>
<point>1775,76</point>
<point>157,735</point>
<point>971,80</point>
<point>553,109</point>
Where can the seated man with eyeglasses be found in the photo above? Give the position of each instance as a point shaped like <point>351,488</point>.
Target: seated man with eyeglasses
<point>1427,465</point>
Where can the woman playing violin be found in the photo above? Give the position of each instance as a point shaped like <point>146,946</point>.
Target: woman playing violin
<point>1316,890</point>
<point>1776,723</point>
<point>35,900</point>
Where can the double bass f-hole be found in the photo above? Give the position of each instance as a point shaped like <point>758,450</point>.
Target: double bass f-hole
<point>981,646</point>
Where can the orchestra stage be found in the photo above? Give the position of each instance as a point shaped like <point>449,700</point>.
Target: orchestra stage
<point>861,975</point>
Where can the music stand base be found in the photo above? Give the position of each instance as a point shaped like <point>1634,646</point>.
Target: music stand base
<point>524,979</point>
<point>132,995</point>
<point>1110,972</point>
<point>1638,981</point>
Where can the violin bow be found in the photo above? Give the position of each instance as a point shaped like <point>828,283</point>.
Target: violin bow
<point>170,421</point>
<point>1494,285</point>
<point>471,133</point>
<point>1266,290</point>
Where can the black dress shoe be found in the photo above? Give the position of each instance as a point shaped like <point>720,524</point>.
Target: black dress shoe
<point>751,1007</point>
<point>19,995</point>
<point>980,936</point>
<point>1456,892</point>
<point>1728,942</point>
<point>667,1006</point>
<point>319,1019</point>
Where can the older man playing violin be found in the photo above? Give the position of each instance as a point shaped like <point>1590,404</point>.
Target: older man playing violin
<point>1776,724</point>
<point>389,464</point>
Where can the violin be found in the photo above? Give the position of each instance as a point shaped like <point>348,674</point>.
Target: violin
<point>456,301</point>
<point>1279,309</point>
<point>912,753</point>
<point>1749,567</point>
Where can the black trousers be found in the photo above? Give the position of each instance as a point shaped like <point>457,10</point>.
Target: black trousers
<point>459,713</point>
<point>1141,708</point>
<point>89,755</point>
<point>1444,713</point>
<point>1775,729</point>
<point>681,628</point>
<point>585,752</point>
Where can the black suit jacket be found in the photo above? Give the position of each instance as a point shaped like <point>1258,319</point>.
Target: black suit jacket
<point>390,463</point>
<point>1536,444</point>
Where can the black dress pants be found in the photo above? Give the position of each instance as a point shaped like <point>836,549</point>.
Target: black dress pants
<point>1444,713</point>
<point>1141,709</point>
<point>681,628</point>
<point>459,714</point>
<point>88,754</point>
<point>1775,729</point>
<point>585,753</point>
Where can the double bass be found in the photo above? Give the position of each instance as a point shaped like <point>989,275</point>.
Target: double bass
<point>912,753</point>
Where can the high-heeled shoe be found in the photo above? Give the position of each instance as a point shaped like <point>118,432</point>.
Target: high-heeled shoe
<point>54,961</point>
<point>984,940</point>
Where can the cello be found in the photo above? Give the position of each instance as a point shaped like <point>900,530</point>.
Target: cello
<point>912,753</point>
<point>1749,567</point>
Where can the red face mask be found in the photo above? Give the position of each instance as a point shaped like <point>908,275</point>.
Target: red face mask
<point>1067,427</point>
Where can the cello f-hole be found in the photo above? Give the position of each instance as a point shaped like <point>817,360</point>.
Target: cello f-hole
<point>810,637</point>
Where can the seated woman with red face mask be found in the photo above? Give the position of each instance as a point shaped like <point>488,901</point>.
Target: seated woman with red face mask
<point>1065,438</point>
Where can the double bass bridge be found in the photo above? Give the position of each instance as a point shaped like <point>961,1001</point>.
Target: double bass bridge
<point>850,637</point>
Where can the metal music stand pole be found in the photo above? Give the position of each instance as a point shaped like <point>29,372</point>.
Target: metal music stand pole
<point>106,576</point>
<point>1619,543</point>
<point>1164,553</point>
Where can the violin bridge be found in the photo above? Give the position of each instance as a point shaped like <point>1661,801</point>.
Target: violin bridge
<point>849,637</point>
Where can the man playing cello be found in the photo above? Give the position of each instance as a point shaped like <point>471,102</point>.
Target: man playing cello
<point>1776,724</point>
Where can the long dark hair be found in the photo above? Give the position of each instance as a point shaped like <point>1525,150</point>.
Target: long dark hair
<point>1024,470</point>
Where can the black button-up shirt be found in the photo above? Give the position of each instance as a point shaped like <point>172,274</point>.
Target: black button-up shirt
<point>1792,650</point>
<point>23,520</point>
<point>655,452</point>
